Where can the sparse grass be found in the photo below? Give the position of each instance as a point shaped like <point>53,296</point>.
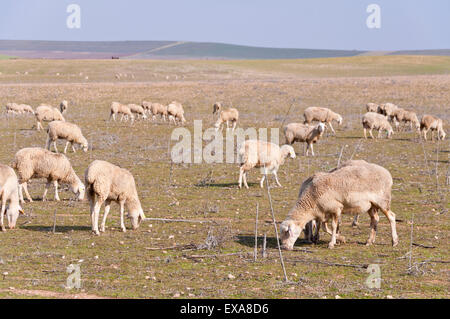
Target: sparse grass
<point>119,265</point>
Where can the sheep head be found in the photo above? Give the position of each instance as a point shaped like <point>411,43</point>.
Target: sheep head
<point>12,213</point>
<point>79,189</point>
<point>339,119</point>
<point>216,107</point>
<point>289,232</point>
<point>321,128</point>
<point>287,150</point>
<point>136,215</point>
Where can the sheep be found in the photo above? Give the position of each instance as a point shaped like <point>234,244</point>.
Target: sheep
<point>146,106</point>
<point>158,109</point>
<point>388,110</point>
<point>48,114</point>
<point>297,132</point>
<point>322,114</point>
<point>107,182</point>
<point>401,115</point>
<point>67,131</point>
<point>429,122</point>
<point>124,110</point>
<point>378,122</point>
<point>229,115</point>
<point>262,154</point>
<point>63,106</point>
<point>372,107</point>
<point>26,108</point>
<point>176,112</point>
<point>138,110</point>
<point>14,108</point>
<point>9,191</point>
<point>355,189</point>
<point>36,162</point>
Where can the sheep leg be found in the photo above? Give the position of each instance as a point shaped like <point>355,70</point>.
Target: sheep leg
<point>95,213</point>
<point>334,224</point>
<point>2,212</point>
<point>355,221</point>
<point>262,180</point>
<point>245,180</point>
<point>276,178</point>
<point>371,135</point>
<point>122,210</point>
<point>56,190</point>
<point>331,127</point>
<point>374,218</point>
<point>391,216</point>
<point>105,215</point>
<point>47,186</point>
<point>234,125</point>
<point>312,150</point>
<point>25,187</point>
<point>241,173</point>
<point>54,146</point>
<point>73,148</point>
<point>365,133</point>
<point>65,148</point>
<point>316,236</point>
<point>21,194</point>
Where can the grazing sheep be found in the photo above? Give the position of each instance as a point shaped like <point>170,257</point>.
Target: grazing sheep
<point>36,162</point>
<point>14,108</point>
<point>158,109</point>
<point>372,107</point>
<point>378,122</point>
<point>26,108</point>
<point>138,110</point>
<point>47,113</point>
<point>297,132</point>
<point>388,110</point>
<point>63,106</point>
<point>146,106</point>
<point>124,110</point>
<point>429,122</point>
<point>351,189</point>
<point>65,131</point>
<point>322,114</point>
<point>405,116</point>
<point>9,192</point>
<point>106,183</point>
<point>176,112</point>
<point>229,115</point>
<point>261,154</point>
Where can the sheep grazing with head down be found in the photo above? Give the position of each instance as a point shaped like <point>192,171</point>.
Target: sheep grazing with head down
<point>158,109</point>
<point>66,131</point>
<point>106,183</point>
<point>261,154</point>
<point>146,106</point>
<point>354,189</point>
<point>388,110</point>
<point>47,113</point>
<point>322,114</point>
<point>374,121</point>
<point>138,110</point>
<point>63,106</point>
<point>405,116</point>
<point>9,192</point>
<point>124,110</point>
<point>225,116</point>
<point>176,113</point>
<point>14,108</point>
<point>429,122</point>
<point>372,107</point>
<point>297,132</point>
<point>36,162</point>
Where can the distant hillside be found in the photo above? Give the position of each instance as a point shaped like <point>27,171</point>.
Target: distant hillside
<point>174,50</point>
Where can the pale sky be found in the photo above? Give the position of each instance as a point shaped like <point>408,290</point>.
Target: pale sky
<point>318,24</point>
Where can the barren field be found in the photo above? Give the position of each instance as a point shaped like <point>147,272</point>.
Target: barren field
<point>214,259</point>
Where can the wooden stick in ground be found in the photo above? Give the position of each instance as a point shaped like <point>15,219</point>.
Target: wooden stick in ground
<point>256,232</point>
<point>264,253</point>
<point>275,225</point>
<point>54,222</point>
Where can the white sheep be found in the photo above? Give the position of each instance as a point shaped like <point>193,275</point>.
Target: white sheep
<point>119,108</point>
<point>66,131</point>
<point>372,107</point>
<point>225,116</point>
<point>176,112</point>
<point>36,162</point>
<point>158,109</point>
<point>378,122</point>
<point>105,183</point>
<point>351,189</point>
<point>9,192</point>
<point>261,154</point>
<point>388,110</point>
<point>405,116</point>
<point>14,108</point>
<point>297,132</point>
<point>138,110</point>
<point>429,122</point>
<point>47,113</point>
<point>322,114</point>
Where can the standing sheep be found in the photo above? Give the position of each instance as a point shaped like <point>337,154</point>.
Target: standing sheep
<point>429,122</point>
<point>229,115</point>
<point>158,109</point>
<point>124,110</point>
<point>378,122</point>
<point>36,162</point>
<point>176,112</point>
<point>349,189</point>
<point>47,113</point>
<point>9,192</point>
<point>26,108</point>
<point>106,183</point>
<point>66,131</point>
<point>297,132</point>
<point>388,110</point>
<point>138,110</point>
<point>322,114</point>
<point>406,116</point>
<point>372,107</point>
<point>261,154</point>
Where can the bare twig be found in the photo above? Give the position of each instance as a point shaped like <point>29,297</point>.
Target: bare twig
<point>340,155</point>
<point>256,232</point>
<point>178,220</point>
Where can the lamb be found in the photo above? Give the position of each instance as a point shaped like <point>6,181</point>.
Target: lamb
<point>225,116</point>
<point>322,114</point>
<point>352,189</point>
<point>378,122</point>
<point>297,132</point>
<point>67,131</point>
<point>9,192</point>
<point>63,106</point>
<point>124,110</point>
<point>107,182</point>
<point>138,110</point>
<point>372,107</point>
<point>36,162</point>
<point>158,109</point>
<point>48,114</point>
<point>429,122</point>
<point>406,116</point>
<point>176,112</point>
<point>262,154</point>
